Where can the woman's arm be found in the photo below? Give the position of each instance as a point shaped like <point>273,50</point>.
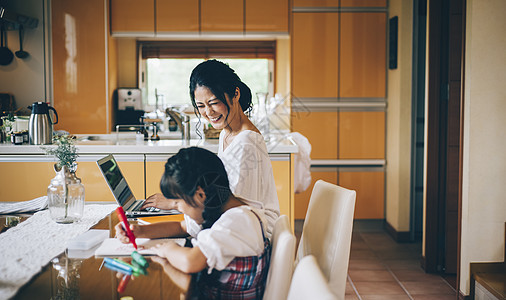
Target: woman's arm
<point>152,231</point>
<point>188,260</point>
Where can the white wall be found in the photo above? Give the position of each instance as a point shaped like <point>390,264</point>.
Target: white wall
<point>484,169</point>
<point>24,78</point>
<point>398,138</point>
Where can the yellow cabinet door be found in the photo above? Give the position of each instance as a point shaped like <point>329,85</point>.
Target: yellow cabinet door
<point>363,3</point>
<point>266,15</point>
<point>79,66</point>
<point>177,16</point>
<point>155,166</point>
<point>132,16</point>
<point>222,16</point>
<point>25,180</point>
<point>283,178</point>
<point>95,186</point>
<point>362,67</point>
<point>362,135</point>
<point>370,187</point>
<point>315,55</point>
<point>320,128</point>
<point>302,199</point>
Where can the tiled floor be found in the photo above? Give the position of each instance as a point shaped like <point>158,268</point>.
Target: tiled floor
<point>380,269</point>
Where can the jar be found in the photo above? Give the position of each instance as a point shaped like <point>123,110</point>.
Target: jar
<point>65,196</point>
<point>17,138</point>
<point>25,136</point>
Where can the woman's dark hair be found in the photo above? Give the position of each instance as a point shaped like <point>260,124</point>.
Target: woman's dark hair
<point>195,167</point>
<point>220,79</point>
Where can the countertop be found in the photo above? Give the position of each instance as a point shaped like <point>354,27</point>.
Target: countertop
<point>110,143</point>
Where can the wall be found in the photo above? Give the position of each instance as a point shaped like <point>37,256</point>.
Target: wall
<point>484,162</point>
<point>398,155</point>
<point>24,78</point>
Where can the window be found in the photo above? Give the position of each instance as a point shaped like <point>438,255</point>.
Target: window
<point>166,68</point>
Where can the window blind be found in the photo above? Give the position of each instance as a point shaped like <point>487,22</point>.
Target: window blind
<point>208,49</point>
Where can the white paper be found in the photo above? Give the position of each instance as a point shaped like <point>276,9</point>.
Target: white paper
<point>112,247</point>
<point>23,206</point>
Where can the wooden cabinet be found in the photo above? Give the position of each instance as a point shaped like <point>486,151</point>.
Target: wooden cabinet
<point>79,66</point>
<point>341,3</point>
<point>321,129</point>
<point>155,166</point>
<point>173,17</point>
<point>315,55</point>
<point>28,178</point>
<point>370,187</point>
<point>177,16</point>
<point>362,68</point>
<point>266,15</point>
<point>283,178</point>
<point>222,16</point>
<point>362,135</point>
<point>133,16</point>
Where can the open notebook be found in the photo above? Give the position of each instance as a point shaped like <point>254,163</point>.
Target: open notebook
<point>112,247</point>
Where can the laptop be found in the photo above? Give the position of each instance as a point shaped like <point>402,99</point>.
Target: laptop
<point>122,192</point>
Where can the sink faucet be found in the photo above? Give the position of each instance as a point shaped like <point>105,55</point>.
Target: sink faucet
<point>183,122</point>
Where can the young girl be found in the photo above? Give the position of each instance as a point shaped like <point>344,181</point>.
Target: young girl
<point>231,253</point>
<point>218,95</point>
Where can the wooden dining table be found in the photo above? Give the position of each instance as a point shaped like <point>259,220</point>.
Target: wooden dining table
<point>78,275</point>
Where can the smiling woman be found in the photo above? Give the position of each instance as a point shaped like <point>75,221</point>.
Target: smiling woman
<point>166,67</point>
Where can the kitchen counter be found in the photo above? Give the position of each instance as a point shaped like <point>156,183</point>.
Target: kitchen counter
<point>101,144</point>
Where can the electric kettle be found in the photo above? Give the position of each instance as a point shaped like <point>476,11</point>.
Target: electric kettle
<point>40,125</point>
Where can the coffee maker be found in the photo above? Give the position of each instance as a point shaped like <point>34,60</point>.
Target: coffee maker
<point>128,107</point>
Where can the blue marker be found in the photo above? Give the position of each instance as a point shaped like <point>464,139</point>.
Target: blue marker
<point>117,266</point>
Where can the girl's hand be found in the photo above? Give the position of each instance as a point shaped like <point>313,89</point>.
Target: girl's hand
<point>121,234</point>
<point>164,249</point>
<point>159,201</point>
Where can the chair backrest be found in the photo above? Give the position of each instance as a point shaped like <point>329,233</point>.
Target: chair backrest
<point>308,282</point>
<point>282,259</point>
<point>327,232</point>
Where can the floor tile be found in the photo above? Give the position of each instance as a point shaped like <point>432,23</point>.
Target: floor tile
<point>416,275</point>
<point>366,264</point>
<point>370,275</point>
<point>378,288</point>
<point>433,297</point>
<point>385,297</point>
<point>428,288</point>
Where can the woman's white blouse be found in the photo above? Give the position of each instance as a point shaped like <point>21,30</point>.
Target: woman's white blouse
<point>249,171</point>
<point>236,233</point>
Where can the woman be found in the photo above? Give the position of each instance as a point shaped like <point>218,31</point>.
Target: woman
<point>220,97</point>
<point>231,253</point>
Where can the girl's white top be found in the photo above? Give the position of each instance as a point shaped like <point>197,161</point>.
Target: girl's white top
<point>250,175</point>
<point>237,233</point>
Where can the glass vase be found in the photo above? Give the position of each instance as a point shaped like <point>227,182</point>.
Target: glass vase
<point>262,116</point>
<point>65,196</point>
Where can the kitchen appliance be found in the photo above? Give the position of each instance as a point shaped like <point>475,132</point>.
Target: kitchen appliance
<point>40,125</point>
<point>129,107</point>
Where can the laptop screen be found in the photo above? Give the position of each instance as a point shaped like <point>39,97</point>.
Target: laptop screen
<point>115,179</point>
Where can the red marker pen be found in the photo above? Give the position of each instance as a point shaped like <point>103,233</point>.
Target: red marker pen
<point>122,217</point>
<point>123,283</point>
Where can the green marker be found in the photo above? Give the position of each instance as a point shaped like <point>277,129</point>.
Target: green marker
<point>138,268</point>
<point>140,259</point>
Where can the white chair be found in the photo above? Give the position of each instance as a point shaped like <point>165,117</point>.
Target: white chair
<point>308,282</point>
<point>327,232</point>
<point>282,258</point>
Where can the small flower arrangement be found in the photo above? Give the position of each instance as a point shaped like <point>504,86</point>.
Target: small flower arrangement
<point>65,151</point>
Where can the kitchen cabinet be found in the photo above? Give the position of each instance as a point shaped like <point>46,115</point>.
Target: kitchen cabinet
<point>315,55</point>
<point>362,49</point>
<point>362,135</point>
<point>28,178</point>
<point>222,16</point>
<point>133,16</point>
<point>321,129</point>
<point>340,3</point>
<point>81,85</point>
<point>173,17</point>
<point>302,199</point>
<point>177,16</point>
<point>370,187</point>
<point>266,15</point>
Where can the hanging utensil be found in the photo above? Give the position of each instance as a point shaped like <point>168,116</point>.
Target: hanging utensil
<point>6,55</point>
<point>20,53</point>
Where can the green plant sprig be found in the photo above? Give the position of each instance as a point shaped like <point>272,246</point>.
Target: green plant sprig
<point>65,151</point>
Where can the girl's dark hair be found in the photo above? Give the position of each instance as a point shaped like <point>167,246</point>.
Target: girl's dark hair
<point>220,79</point>
<point>195,167</point>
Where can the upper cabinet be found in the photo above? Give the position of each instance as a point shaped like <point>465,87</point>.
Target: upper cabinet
<point>133,16</point>
<point>175,17</point>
